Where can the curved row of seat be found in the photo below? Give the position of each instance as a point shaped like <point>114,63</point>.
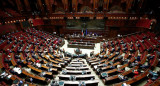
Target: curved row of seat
<point>33,57</point>
<point>30,58</point>
<point>127,60</point>
<point>76,74</point>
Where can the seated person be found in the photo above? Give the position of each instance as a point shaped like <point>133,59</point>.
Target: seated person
<point>17,70</point>
<point>147,65</point>
<point>42,74</point>
<point>82,84</point>
<point>120,70</point>
<point>54,83</point>
<point>72,77</point>
<point>149,50</point>
<point>124,84</point>
<point>4,74</point>
<point>77,51</point>
<point>112,50</point>
<point>120,57</point>
<point>98,70</point>
<point>138,58</point>
<point>127,68</point>
<point>38,65</point>
<point>138,45</point>
<point>101,56</point>
<point>117,53</point>
<point>19,61</point>
<point>104,74</point>
<point>64,72</point>
<point>136,73</point>
<point>123,78</point>
<point>112,67</point>
<point>84,72</point>
<point>92,53</point>
<point>135,63</point>
<point>132,50</point>
<point>153,74</point>
<point>150,57</point>
<point>125,49</point>
<point>104,65</point>
<point>20,83</point>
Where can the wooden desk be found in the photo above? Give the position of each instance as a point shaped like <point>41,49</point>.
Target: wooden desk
<point>107,62</point>
<point>95,60</point>
<point>77,72</point>
<point>33,76</point>
<point>1,61</point>
<point>6,47</point>
<point>13,60</point>
<point>78,77</point>
<point>47,58</point>
<point>54,61</point>
<point>32,59</point>
<point>54,65</point>
<point>156,83</point>
<point>22,58</point>
<point>111,78</point>
<point>15,48</point>
<point>77,60</point>
<point>76,83</point>
<point>35,69</point>
<point>112,55</point>
<point>14,77</point>
<point>31,47</point>
<point>38,56</point>
<point>98,62</point>
<point>90,59</point>
<point>50,55</point>
<point>57,66</point>
<point>39,70</point>
<point>105,68</point>
<point>102,65</point>
<point>155,60</point>
<point>81,46</point>
<point>114,70</point>
<point>77,68</point>
<point>52,69</point>
<point>77,65</point>
<point>143,60</point>
<point>135,79</point>
<point>24,47</point>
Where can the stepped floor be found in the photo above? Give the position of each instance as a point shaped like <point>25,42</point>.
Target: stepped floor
<point>92,73</point>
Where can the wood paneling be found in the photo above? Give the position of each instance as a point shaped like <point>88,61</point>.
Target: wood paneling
<point>27,5</point>
<point>121,23</point>
<point>58,22</point>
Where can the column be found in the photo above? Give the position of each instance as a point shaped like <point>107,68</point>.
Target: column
<point>95,5</point>
<point>66,5</point>
<point>129,4</point>
<point>40,5</point>
<point>106,5</point>
<point>27,5</point>
<point>19,5</point>
<point>74,5</point>
<point>49,6</point>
